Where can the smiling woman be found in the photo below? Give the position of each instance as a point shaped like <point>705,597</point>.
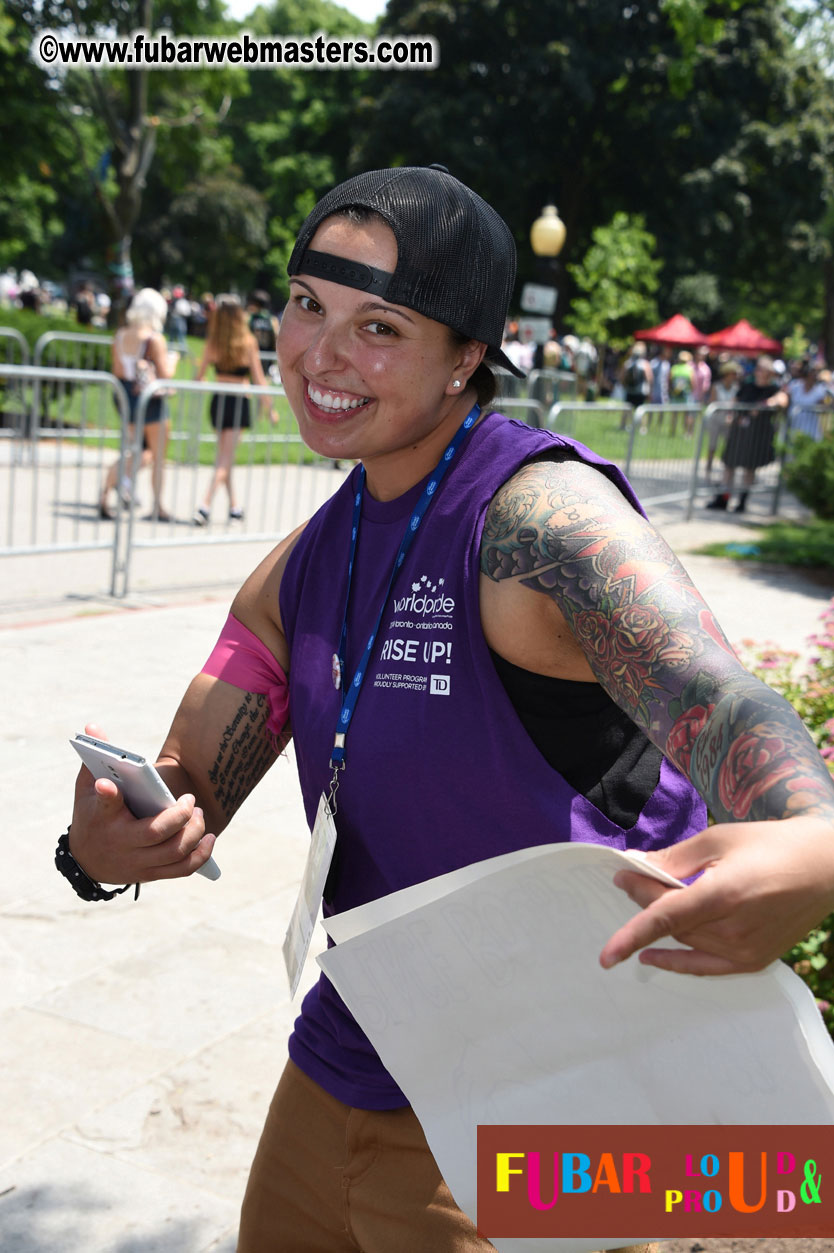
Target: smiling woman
<point>481,644</point>
<point>368,379</point>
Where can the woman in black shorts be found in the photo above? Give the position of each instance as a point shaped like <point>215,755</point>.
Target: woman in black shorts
<point>232,350</point>
<point>137,345</point>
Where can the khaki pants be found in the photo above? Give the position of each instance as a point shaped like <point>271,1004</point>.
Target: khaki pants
<point>328,1178</point>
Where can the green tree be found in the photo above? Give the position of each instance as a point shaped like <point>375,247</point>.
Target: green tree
<point>115,117</point>
<point>617,280</point>
<point>29,220</point>
<point>708,119</point>
<point>761,144</point>
<point>293,132</point>
<point>698,296</point>
<point>213,234</point>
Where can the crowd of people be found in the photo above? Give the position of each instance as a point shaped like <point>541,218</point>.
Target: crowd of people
<point>745,398</point>
<point>741,431</point>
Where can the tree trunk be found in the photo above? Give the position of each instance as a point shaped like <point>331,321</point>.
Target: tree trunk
<point>120,271</point>
<point>828,311</point>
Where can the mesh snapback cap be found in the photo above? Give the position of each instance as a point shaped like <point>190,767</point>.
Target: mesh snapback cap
<point>456,257</point>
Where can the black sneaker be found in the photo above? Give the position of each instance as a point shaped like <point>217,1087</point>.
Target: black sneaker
<point>720,501</point>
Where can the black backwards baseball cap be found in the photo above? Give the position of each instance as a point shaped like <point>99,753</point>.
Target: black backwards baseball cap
<point>456,257</point>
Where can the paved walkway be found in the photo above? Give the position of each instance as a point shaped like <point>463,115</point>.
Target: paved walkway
<point>140,1043</point>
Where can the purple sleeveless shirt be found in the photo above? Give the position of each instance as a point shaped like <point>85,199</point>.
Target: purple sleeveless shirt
<point>439,770</point>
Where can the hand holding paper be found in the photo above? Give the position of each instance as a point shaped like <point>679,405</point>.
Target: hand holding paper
<point>729,917</point>
<point>482,993</point>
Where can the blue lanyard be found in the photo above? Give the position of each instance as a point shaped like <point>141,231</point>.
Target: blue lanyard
<point>351,695</point>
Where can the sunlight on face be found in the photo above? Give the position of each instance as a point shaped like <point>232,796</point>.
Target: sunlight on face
<point>365,378</point>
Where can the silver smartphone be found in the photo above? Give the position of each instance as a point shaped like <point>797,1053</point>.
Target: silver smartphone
<point>143,789</point>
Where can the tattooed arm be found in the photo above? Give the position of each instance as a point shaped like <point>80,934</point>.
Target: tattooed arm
<point>217,750</point>
<point>564,531</point>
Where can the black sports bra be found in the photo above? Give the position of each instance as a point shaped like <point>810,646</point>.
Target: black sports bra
<point>583,734</point>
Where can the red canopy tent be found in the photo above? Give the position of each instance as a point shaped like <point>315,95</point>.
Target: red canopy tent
<point>742,337</point>
<point>678,331</point>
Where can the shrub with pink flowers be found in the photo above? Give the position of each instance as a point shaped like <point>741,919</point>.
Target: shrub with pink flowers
<point>810,689</point>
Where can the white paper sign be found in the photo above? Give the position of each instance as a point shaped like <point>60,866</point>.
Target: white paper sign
<point>483,995</point>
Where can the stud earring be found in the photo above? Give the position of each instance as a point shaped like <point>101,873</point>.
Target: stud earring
<point>456,383</point>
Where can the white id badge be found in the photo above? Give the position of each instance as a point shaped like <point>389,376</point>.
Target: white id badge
<point>300,931</point>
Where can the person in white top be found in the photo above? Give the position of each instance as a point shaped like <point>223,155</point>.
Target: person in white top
<point>722,392</point>
<point>807,395</point>
<point>140,354</point>
<point>701,377</point>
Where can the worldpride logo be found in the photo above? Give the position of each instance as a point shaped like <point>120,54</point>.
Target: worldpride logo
<point>613,1181</point>
<point>425,598</point>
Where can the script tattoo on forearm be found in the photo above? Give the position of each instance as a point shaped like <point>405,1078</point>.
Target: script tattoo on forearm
<point>652,642</point>
<point>244,754</point>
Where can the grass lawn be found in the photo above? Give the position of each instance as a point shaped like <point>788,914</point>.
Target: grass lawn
<point>71,406</point>
<point>88,414</point>
<point>600,430</point>
<point>808,544</point>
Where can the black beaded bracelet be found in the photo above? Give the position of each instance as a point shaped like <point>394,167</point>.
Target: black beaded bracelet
<point>82,884</point>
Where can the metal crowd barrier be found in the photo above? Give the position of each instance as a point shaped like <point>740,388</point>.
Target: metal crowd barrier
<point>52,473</point>
<point>80,350</point>
<point>662,455</point>
<point>581,420</point>
<point>14,350</point>
<point>52,470</point>
<point>662,449</point>
<point>278,480</point>
<point>544,386</point>
<point>13,346</point>
<point>71,428</point>
<point>70,350</point>
<point>814,420</point>
<point>657,465</point>
<point>550,386</point>
<point>529,411</point>
<point>775,433</point>
<point>64,350</point>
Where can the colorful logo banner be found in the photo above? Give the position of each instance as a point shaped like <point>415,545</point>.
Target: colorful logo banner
<point>655,1182</point>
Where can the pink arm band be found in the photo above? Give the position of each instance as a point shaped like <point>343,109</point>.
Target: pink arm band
<point>241,659</point>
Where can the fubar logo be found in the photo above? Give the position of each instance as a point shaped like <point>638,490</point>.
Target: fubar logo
<point>426,598</point>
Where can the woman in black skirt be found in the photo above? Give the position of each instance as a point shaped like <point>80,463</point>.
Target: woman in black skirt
<point>232,350</point>
<point>750,435</point>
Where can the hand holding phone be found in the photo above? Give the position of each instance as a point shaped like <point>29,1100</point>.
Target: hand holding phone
<point>145,792</point>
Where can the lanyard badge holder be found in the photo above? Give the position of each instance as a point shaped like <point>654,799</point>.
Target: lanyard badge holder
<point>323,842</point>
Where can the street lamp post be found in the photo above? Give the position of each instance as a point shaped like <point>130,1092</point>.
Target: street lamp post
<point>547,238</point>
<point>547,234</point>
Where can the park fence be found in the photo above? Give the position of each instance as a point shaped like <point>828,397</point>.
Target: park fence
<point>72,426</point>
<point>14,348</point>
<point>72,350</point>
<point>79,350</point>
<point>654,445</point>
<point>56,438</point>
<point>62,429</point>
<point>546,387</point>
<point>672,454</point>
